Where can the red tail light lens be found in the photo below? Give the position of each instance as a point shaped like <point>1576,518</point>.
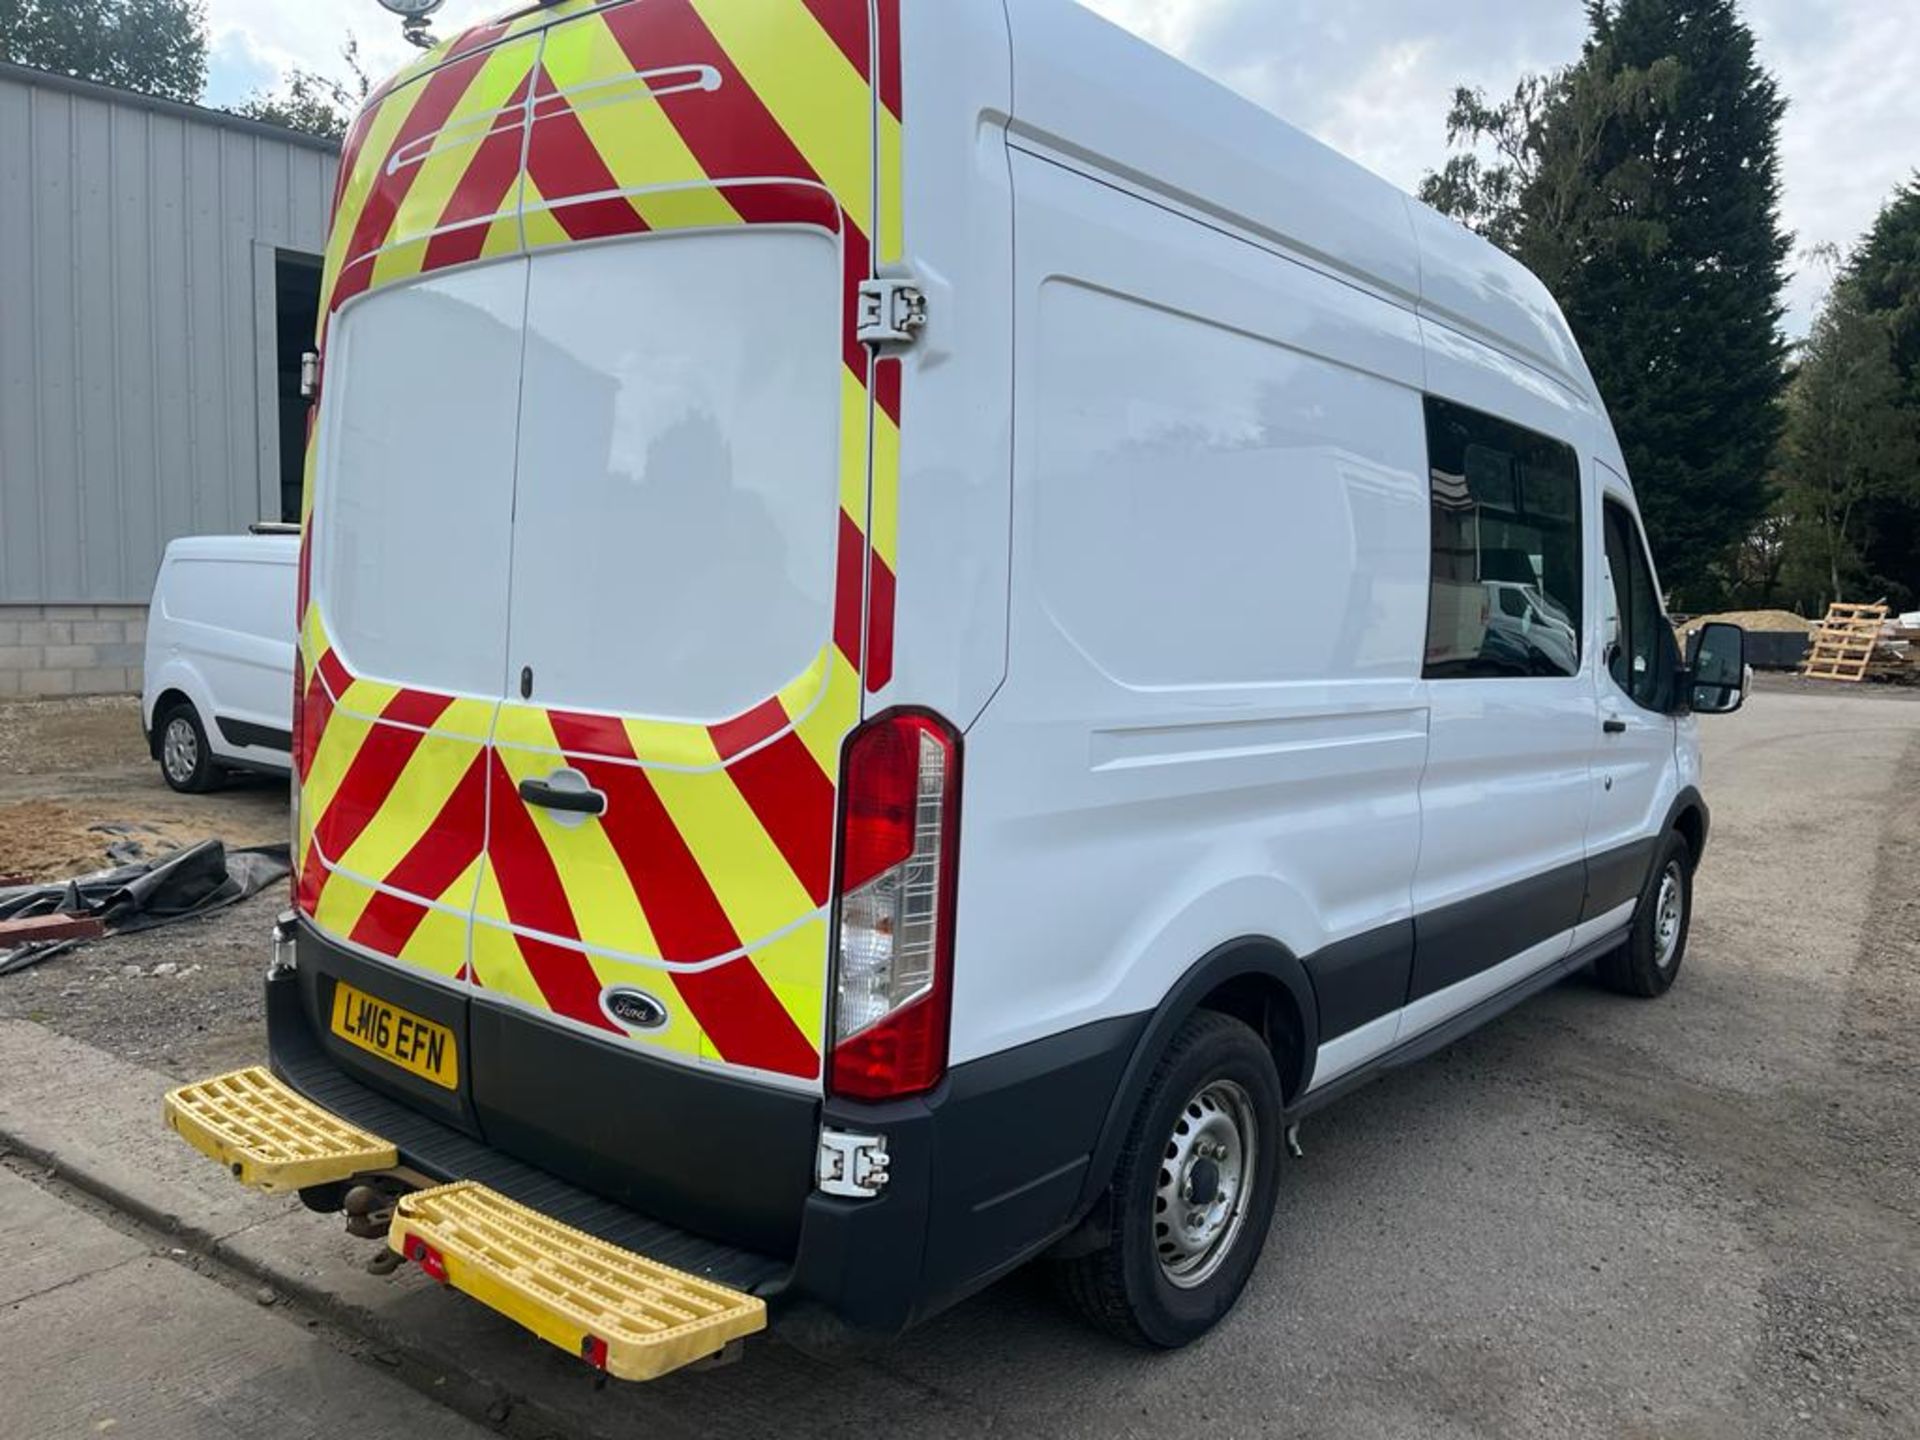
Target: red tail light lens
<point>894,922</point>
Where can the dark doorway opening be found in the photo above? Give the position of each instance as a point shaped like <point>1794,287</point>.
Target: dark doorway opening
<point>296,295</point>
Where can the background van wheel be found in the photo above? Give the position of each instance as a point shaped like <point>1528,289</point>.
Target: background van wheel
<point>186,760</point>
<point>1193,1190</point>
<point>1648,963</point>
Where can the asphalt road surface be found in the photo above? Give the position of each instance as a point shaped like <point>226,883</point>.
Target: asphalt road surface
<point>1695,1217</point>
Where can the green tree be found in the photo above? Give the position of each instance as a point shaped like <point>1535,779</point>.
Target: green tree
<point>1851,444</point>
<point>158,47</point>
<point>1885,272</point>
<point>310,101</point>
<point>1642,185</point>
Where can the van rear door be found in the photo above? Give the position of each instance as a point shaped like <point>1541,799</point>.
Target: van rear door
<point>592,480</point>
<point>689,549</point>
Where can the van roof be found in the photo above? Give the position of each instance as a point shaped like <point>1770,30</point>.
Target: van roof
<point>1091,91</point>
<point>282,549</point>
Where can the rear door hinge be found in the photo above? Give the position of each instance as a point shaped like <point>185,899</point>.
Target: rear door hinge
<point>892,312</point>
<point>851,1165</point>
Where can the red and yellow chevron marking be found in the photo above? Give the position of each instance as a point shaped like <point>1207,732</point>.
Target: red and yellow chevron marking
<point>706,881</point>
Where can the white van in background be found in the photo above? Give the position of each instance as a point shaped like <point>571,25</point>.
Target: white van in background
<point>218,693</point>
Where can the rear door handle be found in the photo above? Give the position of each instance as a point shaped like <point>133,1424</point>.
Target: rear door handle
<point>572,796</point>
<point>1612,727</point>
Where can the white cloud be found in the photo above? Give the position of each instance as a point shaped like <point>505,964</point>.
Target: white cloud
<point>1370,77</point>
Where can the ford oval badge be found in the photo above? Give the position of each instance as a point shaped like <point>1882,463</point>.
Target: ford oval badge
<point>633,1008</point>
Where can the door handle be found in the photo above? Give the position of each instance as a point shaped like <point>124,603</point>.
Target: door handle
<point>1615,727</point>
<point>576,799</point>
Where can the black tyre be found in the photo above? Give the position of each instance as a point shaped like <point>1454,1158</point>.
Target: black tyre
<point>1193,1190</point>
<point>180,744</point>
<point>1649,962</point>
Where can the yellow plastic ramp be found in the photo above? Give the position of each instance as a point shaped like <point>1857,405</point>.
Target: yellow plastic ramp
<point>268,1136</point>
<point>630,1316</point>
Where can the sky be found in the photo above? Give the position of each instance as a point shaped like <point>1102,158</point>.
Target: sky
<point>1372,78</point>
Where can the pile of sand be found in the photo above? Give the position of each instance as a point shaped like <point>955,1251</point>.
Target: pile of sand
<point>1763,621</point>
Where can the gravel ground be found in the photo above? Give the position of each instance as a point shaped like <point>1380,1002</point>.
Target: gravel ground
<point>69,765</point>
<point>1594,1218</point>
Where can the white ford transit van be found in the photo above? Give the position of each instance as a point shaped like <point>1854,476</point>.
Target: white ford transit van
<point>919,631</point>
<point>217,691</point>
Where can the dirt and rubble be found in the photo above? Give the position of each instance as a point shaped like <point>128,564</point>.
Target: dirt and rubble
<point>77,787</point>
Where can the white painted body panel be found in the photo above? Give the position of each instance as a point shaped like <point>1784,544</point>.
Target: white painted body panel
<point>1164,538</point>
<point>220,631</point>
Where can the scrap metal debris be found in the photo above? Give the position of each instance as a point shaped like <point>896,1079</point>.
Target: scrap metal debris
<point>39,921</point>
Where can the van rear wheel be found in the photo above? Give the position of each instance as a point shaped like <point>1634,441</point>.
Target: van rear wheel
<point>186,760</point>
<point>1193,1190</point>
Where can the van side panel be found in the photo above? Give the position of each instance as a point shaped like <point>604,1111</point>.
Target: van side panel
<point>1212,724</point>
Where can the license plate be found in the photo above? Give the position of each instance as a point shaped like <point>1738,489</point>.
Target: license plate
<point>398,1036</point>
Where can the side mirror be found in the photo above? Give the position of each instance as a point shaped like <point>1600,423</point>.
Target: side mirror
<point>1717,669</point>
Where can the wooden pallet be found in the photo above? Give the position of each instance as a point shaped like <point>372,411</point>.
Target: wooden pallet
<point>1841,646</point>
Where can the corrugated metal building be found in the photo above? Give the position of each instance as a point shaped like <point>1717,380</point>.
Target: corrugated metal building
<point>159,270</point>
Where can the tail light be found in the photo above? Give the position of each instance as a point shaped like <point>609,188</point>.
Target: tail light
<point>899,836</point>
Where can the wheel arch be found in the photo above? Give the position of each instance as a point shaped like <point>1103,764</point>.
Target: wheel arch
<point>165,700</point>
<point>1689,816</point>
<point>1253,978</point>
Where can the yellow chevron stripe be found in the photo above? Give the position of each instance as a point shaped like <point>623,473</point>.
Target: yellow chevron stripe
<point>537,226</point>
<point>382,128</point>
<point>810,88</point>
<point>442,159</point>
<point>346,733</point>
<point>886,487</point>
<point>826,726</point>
<point>792,966</point>
<point>497,961</point>
<point>439,944</point>
<point>341,904</point>
<point>637,142</point>
<point>751,879</point>
<point>419,794</point>
<point>892,239</point>
<point>854,403</point>
<point>605,908</point>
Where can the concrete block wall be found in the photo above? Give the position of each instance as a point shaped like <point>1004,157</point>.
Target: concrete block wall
<point>71,649</point>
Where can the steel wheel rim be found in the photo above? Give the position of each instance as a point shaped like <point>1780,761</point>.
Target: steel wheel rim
<point>1205,1183</point>
<point>1669,910</point>
<point>180,749</point>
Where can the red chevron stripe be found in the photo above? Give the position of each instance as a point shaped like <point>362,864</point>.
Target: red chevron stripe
<point>331,671</point>
<point>887,379</point>
<point>481,193</point>
<point>563,162</point>
<point>745,1020</point>
<point>761,723</point>
<point>529,884</point>
<point>436,860</point>
<point>567,981</point>
<point>793,800</point>
<point>849,590</point>
<point>316,710</point>
<point>890,88</point>
<point>370,778</point>
<point>880,591</point>
<point>845,21</point>
<point>442,92</point>
<point>313,879</point>
<point>685,915</point>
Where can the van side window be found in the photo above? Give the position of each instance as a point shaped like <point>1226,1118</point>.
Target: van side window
<point>1505,598</point>
<point>1643,659</point>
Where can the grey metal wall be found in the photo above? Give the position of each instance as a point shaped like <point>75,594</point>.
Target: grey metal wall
<point>136,327</point>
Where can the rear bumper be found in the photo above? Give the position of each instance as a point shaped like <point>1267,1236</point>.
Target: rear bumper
<point>713,1176</point>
